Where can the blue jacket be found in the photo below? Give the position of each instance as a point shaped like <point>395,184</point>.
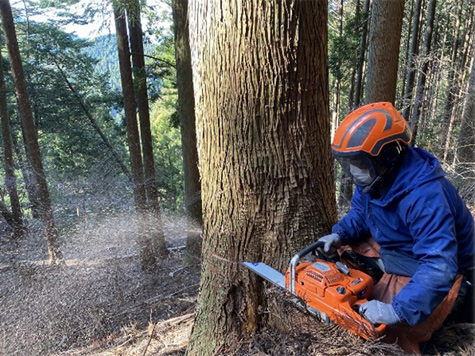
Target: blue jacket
<point>424,229</point>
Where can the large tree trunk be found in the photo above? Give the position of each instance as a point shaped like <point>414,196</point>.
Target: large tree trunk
<point>423,73</point>
<point>9,165</point>
<point>261,94</point>
<point>138,60</point>
<point>145,243</point>
<point>30,135</point>
<point>186,112</point>
<point>383,56</point>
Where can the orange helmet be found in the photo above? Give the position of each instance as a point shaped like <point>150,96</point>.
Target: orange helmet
<point>370,141</point>
<point>369,128</point>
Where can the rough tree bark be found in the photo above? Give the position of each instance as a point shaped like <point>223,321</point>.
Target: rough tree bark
<point>141,93</point>
<point>383,55</point>
<point>261,94</point>
<point>186,112</point>
<point>16,221</point>
<point>30,135</point>
<point>145,243</point>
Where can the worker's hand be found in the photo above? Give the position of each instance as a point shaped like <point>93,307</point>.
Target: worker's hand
<point>332,242</point>
<point>377,312</point>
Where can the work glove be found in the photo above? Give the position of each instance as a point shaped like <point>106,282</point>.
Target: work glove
<point>377,312</point>
<point>332,242</point>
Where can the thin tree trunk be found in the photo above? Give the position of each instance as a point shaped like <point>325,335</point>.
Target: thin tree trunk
<point>429,100</point>
<point>440,25</point>
<point>346,182</point>
<point>30,134</point>
<point>411,58</point>
<point>6,214</point>
<point>27,178</point>
<point>385,36</point>
<point>138,60</point>
<point>423,72</point>
<point>361,58</point>
<point>357,25</point>
<point>9,164</point>
<point>459,86</point>
<point>145,243</point>
<point>186,111</point>
<point>94,124</point>
<point>263,136</point>
<point>468,35</point>
<point>449,101</point>
<point>406,46</point>
<point>465,163</point>
<point>337,79</point>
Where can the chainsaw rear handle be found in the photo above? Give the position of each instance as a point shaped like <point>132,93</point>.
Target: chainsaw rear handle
<point>297,256</point>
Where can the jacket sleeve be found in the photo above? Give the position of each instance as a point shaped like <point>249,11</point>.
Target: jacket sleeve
<point>428,215</point>
<point>353,225</point>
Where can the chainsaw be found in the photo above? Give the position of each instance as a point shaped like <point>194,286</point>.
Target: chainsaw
<point>328,290</point>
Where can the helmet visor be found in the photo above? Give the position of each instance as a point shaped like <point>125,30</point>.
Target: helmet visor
<point>361,168</point>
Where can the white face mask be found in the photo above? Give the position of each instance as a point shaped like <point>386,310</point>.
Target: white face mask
<point>362,176</point>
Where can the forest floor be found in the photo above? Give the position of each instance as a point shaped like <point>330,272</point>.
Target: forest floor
<point>101,303</point>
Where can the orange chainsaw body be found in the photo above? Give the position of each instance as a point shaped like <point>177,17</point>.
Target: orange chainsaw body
<point>322,286</point>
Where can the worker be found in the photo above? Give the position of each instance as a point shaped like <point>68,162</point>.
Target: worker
<point>410,219</point>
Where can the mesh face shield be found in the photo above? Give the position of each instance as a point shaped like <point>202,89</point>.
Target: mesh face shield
<point>360,167</point>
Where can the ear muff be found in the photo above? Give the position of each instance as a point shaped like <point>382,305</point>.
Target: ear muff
<point>390,154</point>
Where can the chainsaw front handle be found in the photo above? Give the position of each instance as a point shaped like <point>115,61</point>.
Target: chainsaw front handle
<point>296,258</point>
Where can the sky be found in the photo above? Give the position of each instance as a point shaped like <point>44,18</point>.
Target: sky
<point>101,24</point>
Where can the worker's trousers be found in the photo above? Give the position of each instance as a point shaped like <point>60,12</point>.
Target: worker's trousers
<point>408,337</point>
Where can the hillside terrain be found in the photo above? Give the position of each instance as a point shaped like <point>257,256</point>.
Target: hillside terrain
<point>101,303</point>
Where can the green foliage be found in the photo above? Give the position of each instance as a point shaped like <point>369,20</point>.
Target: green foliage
<point>343,50</point>
<point>72,142</point>
<point>167,151</point>
<point>82,175</point>
<point>161,62</point>
<point>165,121</point>
<point>72,150</point>
<point>343,54</point>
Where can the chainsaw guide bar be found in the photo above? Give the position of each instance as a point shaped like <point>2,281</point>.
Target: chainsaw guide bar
<point>267,272</point>
<point>278,279</point>
<point>330,291</point>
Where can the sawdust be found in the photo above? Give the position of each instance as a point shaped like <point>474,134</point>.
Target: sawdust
<point>99,300</point>
<point>100,303</point>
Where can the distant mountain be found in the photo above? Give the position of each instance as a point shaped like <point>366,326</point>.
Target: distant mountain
<point>104,49</point>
